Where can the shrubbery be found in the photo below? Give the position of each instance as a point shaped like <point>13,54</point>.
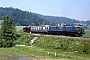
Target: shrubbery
<point>23,38</point>
<point>63,44</point>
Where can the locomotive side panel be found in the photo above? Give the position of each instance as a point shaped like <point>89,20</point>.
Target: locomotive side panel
<point>55,30</point>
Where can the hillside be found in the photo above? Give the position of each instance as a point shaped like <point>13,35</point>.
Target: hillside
<point>29,18</point>
<point>25,18</point>
<point>57,19</point>
<point>46,48</point>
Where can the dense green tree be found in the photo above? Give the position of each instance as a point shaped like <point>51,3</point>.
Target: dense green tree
<point>7,32</point>
<point>23,18</point>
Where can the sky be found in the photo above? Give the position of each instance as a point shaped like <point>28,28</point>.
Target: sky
<point>74,9</point>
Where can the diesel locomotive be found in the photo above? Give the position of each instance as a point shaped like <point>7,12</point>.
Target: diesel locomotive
<point>60,29</point>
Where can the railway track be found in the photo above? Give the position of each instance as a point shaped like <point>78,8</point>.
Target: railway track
<point>67,37</point>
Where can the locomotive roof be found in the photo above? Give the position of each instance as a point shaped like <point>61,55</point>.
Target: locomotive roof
<point>72,25</point>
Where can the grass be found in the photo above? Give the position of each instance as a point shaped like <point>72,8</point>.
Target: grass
<point>12,53</point>
<point>18,28</point>
<point>40,48</point>
<point>33,51</point>
<point>1,22</point>
<point>87,33</point>
<point>24,38</point>
<point>60,45</point>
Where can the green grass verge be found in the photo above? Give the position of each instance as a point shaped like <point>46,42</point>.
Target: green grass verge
<point>18,28</point>
<point>1,22</point>
<point>60,45</point>
<point>42,46</point>
<point>87,33</point>
<point>23,38</point>
<point>34,51</point>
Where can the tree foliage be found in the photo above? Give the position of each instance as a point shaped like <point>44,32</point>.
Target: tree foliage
<point>7,32</point>
<point>57,19</point>
<point>23,18</point>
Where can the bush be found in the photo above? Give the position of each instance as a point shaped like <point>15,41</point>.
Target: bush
<point>24,38</point>
<point>63,44</point>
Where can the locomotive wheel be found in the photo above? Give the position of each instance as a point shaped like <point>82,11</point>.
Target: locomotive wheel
<point>76,35</point>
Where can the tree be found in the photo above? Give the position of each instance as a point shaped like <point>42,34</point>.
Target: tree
<point>7,32</point>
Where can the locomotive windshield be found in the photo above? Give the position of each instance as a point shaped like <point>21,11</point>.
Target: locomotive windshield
<point>79,28</point>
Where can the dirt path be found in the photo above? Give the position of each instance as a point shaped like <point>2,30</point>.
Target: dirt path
<point>31,41</point>
<point>68,37</point>
<point>35,58</point>
<point>13,56</point>
<point>79,38</point>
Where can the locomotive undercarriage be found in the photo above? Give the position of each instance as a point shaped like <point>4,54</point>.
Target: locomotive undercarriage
<point>73,33</point>
<point>67,33</point>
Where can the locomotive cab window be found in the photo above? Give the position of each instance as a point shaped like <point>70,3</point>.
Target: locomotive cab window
<point>79,28</point>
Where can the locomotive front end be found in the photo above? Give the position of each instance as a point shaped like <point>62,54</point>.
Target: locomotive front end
<point>79,30</point>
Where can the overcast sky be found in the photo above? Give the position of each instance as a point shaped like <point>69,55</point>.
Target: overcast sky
<point>75,9</point>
